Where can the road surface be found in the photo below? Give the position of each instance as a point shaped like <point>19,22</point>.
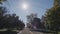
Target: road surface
<point>27,31</point>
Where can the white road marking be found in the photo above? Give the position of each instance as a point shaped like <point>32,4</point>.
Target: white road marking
<point>19,32</point>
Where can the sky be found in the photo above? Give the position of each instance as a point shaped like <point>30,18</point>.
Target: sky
<point>33,6</point>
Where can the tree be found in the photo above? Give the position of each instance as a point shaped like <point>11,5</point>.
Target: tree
<point>53,17</point>
<point>30,19</point>
<point>31,16</point>
<point>37,23</point>
<point>12,22</point>
<point>2,14</point>
<point>34,22</point>
<point>9,21</point>
<point>1,1</point>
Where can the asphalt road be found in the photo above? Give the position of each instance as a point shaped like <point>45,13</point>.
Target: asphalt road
<point>27,31</point>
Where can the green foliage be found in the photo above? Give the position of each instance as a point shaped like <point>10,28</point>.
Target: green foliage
<point>37,22</point>
<point>2,1</point>
<point>53,18</point>
<point>9,21</point>
<point>2,13</point>
<point>56,2</point>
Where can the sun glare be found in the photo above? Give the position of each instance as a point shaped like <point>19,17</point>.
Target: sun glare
<point>24,6</point>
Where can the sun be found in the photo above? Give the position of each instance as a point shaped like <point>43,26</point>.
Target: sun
<point>25,6</point>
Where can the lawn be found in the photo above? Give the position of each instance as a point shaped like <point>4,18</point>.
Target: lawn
<point>58,32</point>
<point>4,31</point>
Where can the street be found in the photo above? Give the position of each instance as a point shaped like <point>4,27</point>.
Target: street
<point>27,31</point>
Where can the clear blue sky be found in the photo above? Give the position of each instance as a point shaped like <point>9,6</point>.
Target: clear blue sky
<point>34,6</point>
